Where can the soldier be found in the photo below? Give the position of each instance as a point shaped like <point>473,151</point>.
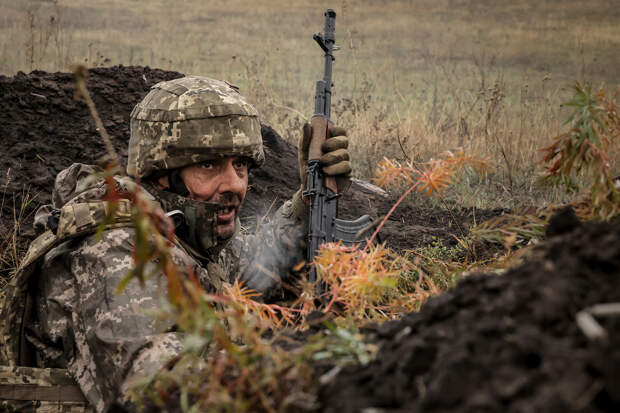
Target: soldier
<point>193,141</point>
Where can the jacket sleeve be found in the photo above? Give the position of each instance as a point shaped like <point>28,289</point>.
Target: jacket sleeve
<point>107,340</point>
<point>267,258</point>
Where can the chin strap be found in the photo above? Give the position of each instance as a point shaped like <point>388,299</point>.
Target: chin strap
<point>195,220</point>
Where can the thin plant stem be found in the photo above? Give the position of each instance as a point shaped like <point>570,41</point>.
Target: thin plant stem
<point>81,73</point>
<point>390,212</point>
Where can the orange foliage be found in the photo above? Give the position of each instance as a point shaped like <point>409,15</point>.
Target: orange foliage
<point>272,314</point>
<point>364,282</point>
<point>430,177</point>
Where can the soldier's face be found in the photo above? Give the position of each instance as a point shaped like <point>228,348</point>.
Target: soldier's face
<point>222,181</point>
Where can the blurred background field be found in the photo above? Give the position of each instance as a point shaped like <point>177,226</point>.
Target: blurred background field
<point>412,78</point>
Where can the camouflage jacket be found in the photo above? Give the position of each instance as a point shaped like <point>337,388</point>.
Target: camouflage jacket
<point>105,340</point>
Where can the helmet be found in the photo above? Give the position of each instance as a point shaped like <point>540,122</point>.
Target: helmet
<point>189,120</point>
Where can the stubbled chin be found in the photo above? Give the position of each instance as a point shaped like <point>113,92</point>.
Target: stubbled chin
<point>225,231</point>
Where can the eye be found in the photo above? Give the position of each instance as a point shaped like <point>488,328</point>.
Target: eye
<point>240,163</point>
<point>207,164</point>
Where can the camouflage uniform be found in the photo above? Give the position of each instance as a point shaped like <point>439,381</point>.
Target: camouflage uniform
<point>76,321</point>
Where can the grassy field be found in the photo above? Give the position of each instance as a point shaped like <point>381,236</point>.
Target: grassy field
<point>412,79</point>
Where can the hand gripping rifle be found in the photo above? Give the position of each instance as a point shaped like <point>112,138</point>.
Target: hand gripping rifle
<point>321,191</point>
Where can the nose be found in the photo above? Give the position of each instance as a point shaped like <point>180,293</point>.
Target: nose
<point>230,181</point>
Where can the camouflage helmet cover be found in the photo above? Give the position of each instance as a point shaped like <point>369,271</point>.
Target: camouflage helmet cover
<point>189,120</point>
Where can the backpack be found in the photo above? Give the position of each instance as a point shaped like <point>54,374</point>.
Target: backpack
<point>24,387</point>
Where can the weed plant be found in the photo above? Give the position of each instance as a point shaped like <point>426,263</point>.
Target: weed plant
<point>587,150</point>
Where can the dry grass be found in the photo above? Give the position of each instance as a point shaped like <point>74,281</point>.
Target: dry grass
<point>412,79</point>
<point>12,245</point>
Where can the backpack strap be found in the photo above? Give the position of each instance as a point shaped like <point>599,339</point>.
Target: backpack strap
<point>40,387</point>
<point>84,218</point>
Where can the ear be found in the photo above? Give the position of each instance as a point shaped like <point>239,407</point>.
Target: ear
<point>162,182</point>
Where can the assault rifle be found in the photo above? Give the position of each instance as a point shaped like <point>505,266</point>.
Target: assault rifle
<point>321,191</point>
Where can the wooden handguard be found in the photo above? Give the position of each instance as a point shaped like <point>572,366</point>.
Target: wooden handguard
<point>319,135</point>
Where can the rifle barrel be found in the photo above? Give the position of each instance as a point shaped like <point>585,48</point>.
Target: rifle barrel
<point>323,97</point>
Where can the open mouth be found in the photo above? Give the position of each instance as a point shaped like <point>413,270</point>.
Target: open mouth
<point>226,213</point>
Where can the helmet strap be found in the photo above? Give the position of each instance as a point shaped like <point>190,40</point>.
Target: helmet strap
<point>177,186</point>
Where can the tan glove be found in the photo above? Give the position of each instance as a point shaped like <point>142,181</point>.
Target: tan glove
<point>335,159</point>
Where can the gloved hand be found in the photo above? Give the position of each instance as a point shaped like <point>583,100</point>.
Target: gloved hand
<point>335,159</point>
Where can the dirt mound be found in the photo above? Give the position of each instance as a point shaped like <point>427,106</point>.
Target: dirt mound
<point>505,343</point>
<point>45,130</point>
